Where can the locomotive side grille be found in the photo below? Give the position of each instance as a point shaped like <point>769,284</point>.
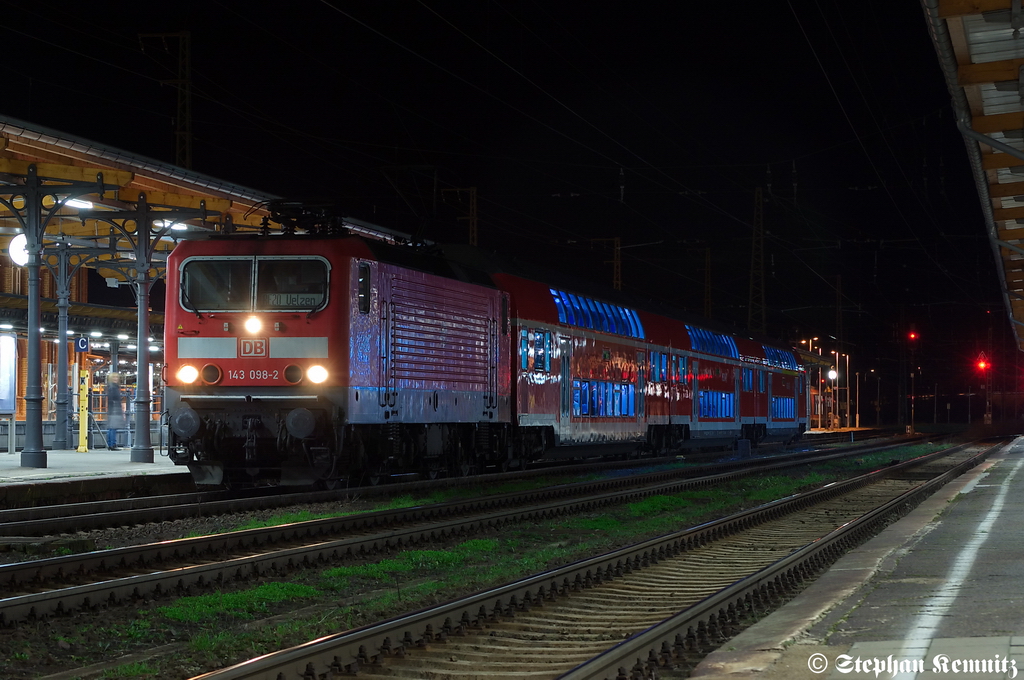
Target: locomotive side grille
<point>439,334</point>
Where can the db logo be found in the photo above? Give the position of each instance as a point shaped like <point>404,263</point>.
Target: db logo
<point>252,347</point>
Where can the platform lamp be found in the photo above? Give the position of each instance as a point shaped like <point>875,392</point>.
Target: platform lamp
<point>816,394</point>
<point>832,375</point>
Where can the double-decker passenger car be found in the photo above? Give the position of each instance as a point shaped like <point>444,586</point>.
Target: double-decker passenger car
<point>590,372</point>
<point>305,358</point>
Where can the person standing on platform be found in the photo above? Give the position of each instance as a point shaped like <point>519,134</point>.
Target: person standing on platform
<point>115,411</point>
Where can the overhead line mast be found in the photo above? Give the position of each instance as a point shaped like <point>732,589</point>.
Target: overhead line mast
<point>183,119</point>
<point>756,315</point>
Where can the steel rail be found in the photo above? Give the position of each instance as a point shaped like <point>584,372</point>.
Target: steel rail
<point>54,519</point>
<point>535,504</point>
<point>674,638</point>
<point>57,519</point>
<point>344,653</point>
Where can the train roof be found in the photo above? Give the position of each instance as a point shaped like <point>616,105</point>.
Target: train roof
<point>554,297</point>
<point>549,297</point>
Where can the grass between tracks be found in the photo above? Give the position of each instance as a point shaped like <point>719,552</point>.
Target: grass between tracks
<point>220,628</point>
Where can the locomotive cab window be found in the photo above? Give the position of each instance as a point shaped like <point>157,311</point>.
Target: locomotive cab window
<point>364,289</point>
<point>222,284</point>
<point>293,284</point>
<point>242,284</point>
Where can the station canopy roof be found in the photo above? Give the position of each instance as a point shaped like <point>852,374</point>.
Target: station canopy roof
<point>980,47</point>
<point>164,186</point>
<point>63,156</point>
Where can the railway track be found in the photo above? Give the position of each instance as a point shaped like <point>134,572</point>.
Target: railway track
<point>75,517</point>
<point>634,612</point>
<point>29,589</point>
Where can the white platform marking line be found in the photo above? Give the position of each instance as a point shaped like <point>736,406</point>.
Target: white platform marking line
<point>935,608</point>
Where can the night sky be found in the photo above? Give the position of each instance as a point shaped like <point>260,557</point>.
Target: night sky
<point>575,122</point>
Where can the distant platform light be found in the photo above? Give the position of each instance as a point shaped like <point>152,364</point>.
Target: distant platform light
<point>96,334</point>
<point>122,336</point>
<point>17,250</point>
<point>78,203</point>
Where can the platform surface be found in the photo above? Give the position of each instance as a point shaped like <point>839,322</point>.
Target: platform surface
<point>62,465</point>
<point>938,594</point>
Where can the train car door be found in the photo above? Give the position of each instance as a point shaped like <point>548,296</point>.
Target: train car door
<point>565,378</point>
<point>641,386</point>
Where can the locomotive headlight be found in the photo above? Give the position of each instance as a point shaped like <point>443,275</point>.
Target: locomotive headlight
<point>188,374</point>
<point>316,374</point>
<point>253,324</point>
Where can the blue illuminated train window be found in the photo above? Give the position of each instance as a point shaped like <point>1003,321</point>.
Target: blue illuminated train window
<point>783,407</point>
<point>780,357</point>
<point>613,326</point>
<point>600,323</point>
<point>524,349</point>
<point>559,305</point>
<point>712,343</point>
<point>579,310</point>
<point>542,351</point>
<point>582,313</point>
<point>627,322</point>
<point>714,404</point>
<point>636,320</point>
<point>570,311</point>
<point>600,398</point>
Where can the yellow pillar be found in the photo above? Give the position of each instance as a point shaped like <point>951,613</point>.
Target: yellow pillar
<point>83,412</point>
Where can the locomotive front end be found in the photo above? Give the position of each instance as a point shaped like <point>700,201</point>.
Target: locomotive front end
<point>252,386</point>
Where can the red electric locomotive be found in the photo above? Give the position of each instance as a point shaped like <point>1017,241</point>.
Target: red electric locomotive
<point>297,359</point>
<point>294,359</point>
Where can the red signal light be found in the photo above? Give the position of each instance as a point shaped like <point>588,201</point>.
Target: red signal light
<point>912,335</point>
<point>982,365</point>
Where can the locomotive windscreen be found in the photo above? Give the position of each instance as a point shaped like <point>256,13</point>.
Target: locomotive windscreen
<point>290,284</point>
<point>281,283</point>
<point>217,284</point>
